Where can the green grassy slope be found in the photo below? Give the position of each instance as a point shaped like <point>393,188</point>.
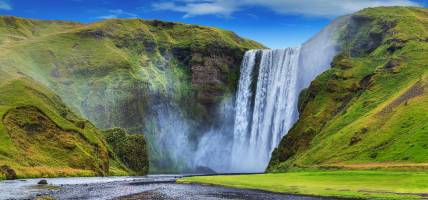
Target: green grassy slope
<point>40,137</point>
<point>14,29</point>
<point>343,184</point>
<point>371,109</point>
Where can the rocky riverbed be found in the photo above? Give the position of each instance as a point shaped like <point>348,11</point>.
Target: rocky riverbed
<point>157,187</point>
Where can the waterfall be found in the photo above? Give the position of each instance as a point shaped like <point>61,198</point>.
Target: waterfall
<point>253,123</point>
<point>267,110</point>
<point>268,92</point>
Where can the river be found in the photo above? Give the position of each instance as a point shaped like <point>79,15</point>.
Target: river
<point>157,187</point>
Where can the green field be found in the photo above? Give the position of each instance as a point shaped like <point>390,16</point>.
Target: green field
<point>345,184</point>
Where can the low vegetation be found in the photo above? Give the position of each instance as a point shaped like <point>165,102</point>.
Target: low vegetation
<point>129,149</point>
<point>343,184</point>
<point>40,137</point>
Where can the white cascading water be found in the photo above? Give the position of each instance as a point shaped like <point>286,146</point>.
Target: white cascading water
<point>263,117</point>
<point>268,93</point>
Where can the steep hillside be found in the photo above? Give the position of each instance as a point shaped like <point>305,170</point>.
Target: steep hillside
<point>40,137</point>
<point>371,109</point>
<point>128,73</point>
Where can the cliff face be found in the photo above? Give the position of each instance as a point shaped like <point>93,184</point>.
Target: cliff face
<point>370,108</point>
<point>194,64</point>
<point>123,73</point>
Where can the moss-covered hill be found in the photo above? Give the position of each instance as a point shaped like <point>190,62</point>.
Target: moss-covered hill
<point>371,109</point>
<point>41,137</point>
<point>113,73</point>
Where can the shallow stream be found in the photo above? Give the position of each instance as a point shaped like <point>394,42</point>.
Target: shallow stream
<point>157,187</point>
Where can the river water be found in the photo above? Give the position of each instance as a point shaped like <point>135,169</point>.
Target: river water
<point>157,187</point>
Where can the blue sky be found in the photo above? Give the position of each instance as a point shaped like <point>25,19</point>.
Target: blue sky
<point>275,23</point>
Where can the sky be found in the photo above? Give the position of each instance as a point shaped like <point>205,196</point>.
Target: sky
<point>274,23</point>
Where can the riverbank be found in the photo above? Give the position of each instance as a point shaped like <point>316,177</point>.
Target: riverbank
<point>342,184</point>
<point>88,188</point>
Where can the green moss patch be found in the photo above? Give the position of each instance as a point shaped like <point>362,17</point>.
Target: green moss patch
<point>130,149</point>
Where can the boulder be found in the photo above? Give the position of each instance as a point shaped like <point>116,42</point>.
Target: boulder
<point>9,172</point>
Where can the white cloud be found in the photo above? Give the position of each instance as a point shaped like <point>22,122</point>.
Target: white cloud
<point>118,13</point>
<point>324,8</point>
<point>5,5</point>
<point>194,8</point>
